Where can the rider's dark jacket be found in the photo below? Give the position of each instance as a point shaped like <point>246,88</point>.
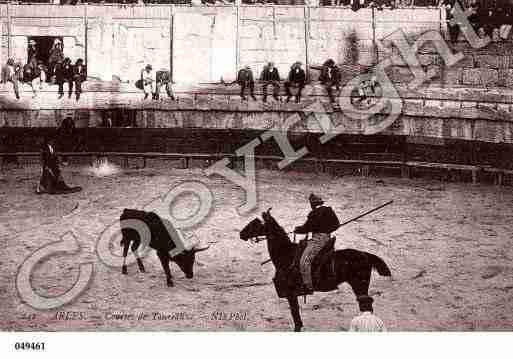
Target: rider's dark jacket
<point>322,219</point>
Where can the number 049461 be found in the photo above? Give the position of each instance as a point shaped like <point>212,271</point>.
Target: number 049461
<point>37,346</point>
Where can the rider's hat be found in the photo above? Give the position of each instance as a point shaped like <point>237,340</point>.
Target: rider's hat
<point>314,199</point>
<point>149,67</point>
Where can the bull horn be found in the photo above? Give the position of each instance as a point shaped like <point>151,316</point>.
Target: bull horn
<point>200,249</point>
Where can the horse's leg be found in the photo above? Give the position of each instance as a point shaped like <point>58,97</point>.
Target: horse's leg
<point>360,283</point>
<point>294,310</point>
<point>164,259</point>
<point>124,269</point>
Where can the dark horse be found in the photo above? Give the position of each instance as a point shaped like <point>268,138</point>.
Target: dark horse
<point>349,265</point>
<point>160,241</point>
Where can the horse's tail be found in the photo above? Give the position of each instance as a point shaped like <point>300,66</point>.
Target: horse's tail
<point>380,265</point>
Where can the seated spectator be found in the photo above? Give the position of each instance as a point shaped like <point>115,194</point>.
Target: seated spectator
<point>79,76</point>
<point>12,73</point>
<point>365,91</point>
<point>330,78</point>
<point>56,56</point>
<point>270,77</point>
<point>507,22</point>
<point>367,321</point>
<point>245,80</point>
<point>149,81</point>
<point>64,73</point>
<point>296,79</point>
<point>164,79</point>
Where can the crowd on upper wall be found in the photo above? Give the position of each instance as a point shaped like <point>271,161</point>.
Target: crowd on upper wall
<point>355,4</point>
<point>492,18</point>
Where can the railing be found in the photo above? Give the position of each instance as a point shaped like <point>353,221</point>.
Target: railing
<point>326,165</point>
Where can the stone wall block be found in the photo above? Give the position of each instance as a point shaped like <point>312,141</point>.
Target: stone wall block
<point>480,77</point>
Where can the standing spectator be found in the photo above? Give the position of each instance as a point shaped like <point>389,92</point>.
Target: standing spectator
<point>79,76</point>
<point>367,321</point>
<point>330,78</point>
<point>66,134</point>
<point>454,30</point>
<point>508,23</point>
<point>33,54</point>
<point>270,76</point>
<point>473,17</point>
<point>245,80</point>
<point>505,20</point>
<point>56,56</point>
<point>106,120</point>
<point>64,73</point>
<point>296,79</point>
<point>149,81</point>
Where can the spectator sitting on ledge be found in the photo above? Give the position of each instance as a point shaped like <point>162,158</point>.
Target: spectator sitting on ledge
<point>270,76</point>
<point>330,78</point>
<point>296,80</point>
<point>245,80</point>
<point>149,81</point>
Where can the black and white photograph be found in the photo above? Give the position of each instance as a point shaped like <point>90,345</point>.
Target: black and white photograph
<point>256,166</point>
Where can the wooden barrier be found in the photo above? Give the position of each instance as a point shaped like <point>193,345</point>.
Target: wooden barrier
<point>364,165</point>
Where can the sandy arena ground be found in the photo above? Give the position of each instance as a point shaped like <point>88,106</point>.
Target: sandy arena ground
<point>449,246</point>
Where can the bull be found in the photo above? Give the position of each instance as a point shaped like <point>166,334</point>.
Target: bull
<point>160,241</point>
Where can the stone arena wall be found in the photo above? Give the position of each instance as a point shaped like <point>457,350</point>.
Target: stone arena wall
<point>202,44</point>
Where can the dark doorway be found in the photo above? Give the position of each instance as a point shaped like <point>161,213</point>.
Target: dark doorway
<point>44,45</point>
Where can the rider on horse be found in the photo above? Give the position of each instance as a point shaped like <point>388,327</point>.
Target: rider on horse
<point>322,221</point>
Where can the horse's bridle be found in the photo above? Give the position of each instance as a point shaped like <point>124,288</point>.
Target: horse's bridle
<point>257,239</point>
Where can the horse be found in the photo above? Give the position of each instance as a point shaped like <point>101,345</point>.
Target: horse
<point>160,241</point>
<point>346,265</point>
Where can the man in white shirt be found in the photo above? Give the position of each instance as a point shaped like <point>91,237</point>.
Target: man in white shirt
<point>366,321</point>
<point>149,81</point>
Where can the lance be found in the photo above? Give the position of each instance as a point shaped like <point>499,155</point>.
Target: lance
<point>353,219</point>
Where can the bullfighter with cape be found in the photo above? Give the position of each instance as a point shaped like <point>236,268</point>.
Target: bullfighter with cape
<point>51,181</point>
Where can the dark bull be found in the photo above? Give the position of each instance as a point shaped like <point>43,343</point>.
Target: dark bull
<point>160,240</point>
